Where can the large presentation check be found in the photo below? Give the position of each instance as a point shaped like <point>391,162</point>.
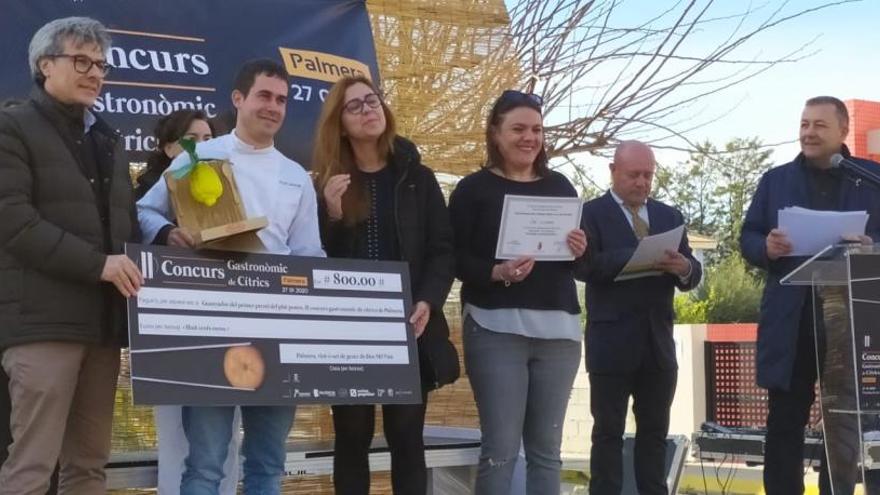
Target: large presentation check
<point>218,327</point>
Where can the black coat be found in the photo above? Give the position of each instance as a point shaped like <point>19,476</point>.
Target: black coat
<point>617,311</point>
<point>157,164</point>
<point>54,236</point>
<point>782,305</point>
<point>424,239</point>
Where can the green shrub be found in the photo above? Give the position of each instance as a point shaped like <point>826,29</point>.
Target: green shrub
<point>734,294</point>
<point>690,310</point>
<point>728,294</point>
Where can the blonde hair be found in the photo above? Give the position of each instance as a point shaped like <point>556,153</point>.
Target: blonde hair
<point>333,155</point>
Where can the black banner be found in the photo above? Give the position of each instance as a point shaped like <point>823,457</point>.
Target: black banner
<point>865,293</point>
<point>216,327</point>
<point>172,54</point>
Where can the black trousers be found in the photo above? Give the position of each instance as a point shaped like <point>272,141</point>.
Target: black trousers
<point>404,427</point>
<point>652,390</point>
<point>788,415</point>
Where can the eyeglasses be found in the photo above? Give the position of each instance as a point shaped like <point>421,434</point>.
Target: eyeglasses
<point>83,64</point>
<point>518,96</point>
<point>357,105</point>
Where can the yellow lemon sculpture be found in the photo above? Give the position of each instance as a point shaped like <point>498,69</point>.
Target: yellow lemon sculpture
<point>205,185</point>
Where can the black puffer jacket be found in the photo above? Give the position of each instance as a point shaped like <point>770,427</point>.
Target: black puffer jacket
<point>57,226</point>
<point>424,236</point>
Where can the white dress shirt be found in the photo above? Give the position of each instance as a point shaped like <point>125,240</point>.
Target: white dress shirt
<point>643,209</point>
<point>643,214</point>
<point>270,185</point>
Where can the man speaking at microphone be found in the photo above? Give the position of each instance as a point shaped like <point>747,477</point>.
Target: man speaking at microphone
<point>786,351</point>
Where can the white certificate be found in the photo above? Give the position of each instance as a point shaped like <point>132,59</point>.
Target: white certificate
<point>651,250</point>
<point>811,231</point>
<point>537,226</point>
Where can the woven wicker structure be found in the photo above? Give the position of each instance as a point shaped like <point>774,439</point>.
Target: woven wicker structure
<point>442,64</point>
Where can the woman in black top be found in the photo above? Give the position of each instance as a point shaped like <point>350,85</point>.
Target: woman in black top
<point>377,201</point>
<point>191,124</point>
<point>521,326</point>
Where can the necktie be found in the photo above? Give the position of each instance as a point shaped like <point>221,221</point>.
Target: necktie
<point>640,226</point>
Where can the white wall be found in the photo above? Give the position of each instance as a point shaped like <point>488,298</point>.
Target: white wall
<point>688,407</point>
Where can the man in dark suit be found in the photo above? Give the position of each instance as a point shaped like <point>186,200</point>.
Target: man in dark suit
<point>786,350</point>
<point>630,351</point>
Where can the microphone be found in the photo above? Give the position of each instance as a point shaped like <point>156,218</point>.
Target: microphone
<point>857,171</point>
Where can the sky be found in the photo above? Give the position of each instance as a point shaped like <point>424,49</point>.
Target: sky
<point>768,106</point>
<point>847,66</point>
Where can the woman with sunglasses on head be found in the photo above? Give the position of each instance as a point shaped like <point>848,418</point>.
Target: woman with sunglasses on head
<point>190,124</point>
<point>521,325</point>
<point>378,202</point>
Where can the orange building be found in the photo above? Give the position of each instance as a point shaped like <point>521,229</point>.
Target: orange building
<point>864,130</point>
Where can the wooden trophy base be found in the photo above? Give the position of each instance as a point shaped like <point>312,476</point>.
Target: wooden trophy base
<point>247,242</point>
<point>223,225</point>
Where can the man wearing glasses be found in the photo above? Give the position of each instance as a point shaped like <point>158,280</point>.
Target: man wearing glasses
<point>66,204</point>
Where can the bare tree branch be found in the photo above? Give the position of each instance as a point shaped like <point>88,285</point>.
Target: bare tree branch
<point>603,81</point>
<point>605,71</point>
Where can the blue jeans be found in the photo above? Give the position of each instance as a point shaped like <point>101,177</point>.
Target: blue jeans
<point>521,385</point>
<point>209,429</point>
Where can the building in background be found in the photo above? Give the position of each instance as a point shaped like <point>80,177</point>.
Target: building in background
<point>864,131</point>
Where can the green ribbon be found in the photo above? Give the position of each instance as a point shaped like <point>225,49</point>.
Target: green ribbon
<point>189,146</point>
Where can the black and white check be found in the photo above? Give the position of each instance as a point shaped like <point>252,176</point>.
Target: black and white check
<point>217,327</point>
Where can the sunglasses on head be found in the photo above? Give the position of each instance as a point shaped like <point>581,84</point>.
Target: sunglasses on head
<point>513,95</point>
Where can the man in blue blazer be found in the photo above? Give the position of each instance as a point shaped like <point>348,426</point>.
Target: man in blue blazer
<point>630,351</point>
<point>786,349</point>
